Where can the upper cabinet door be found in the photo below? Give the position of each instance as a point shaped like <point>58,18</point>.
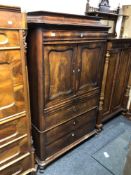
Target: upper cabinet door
<point>121,79</point>
<point>59,71</point>
<point>90,63</point>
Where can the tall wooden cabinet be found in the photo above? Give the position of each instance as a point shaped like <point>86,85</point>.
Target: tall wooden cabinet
<point>65,61</point>
<point>115,78</point>
<point>16,156</point>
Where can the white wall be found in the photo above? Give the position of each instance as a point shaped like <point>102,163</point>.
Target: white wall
<point>66,6</point>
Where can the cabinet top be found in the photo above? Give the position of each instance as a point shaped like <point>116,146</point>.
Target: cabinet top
<point>53,18</point>
<point>10,8</point>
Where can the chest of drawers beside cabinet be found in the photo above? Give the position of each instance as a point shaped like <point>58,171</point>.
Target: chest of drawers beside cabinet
<point>65,62</point>
<point>16,155</point>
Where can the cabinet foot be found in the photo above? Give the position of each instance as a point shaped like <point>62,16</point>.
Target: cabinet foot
<point>99,127</point>
<point>41,169</point>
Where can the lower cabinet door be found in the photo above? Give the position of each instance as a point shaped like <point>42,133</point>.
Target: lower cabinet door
<point>110,79</point>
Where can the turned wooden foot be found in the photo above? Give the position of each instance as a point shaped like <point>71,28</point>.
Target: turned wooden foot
<point>99,127</point>
<point>41,169</point>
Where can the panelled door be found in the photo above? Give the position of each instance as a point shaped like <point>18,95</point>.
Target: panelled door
<point>110,80</point>
<point>121,79</point>
<point>59,70</point>
<point>89,66</point>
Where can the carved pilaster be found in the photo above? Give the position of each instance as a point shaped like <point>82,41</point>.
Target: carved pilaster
<point>101,101</point>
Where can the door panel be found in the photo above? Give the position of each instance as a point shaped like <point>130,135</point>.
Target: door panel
<point>121,78</point>
<point>59,65</point>
<point>113,62</point>
<point>11,84</point>
<point>90,64</point>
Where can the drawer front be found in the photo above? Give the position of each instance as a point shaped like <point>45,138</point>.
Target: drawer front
<point>10,20</point>
<point>84,119</point>
<point>59,144</point>
<point>13,130</point>
<point>80,106</point>
<point>20,167</point>
<point>13,151</point>
<point>62,130</point>
<point>9,38</point>
<point>53,35</point>
<point>76,128</point>
<point>85,124</point>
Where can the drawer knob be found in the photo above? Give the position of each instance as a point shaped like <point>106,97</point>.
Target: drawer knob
<point>72,134</point>
<point>10,22</point>
<point>81,35</point>
<point>73,71</point>
<point>53,34</point>
<point>74,122</point>
<point>79,70</point>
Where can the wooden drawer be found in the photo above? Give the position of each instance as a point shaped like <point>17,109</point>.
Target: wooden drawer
<point>64,114</point>
<point>60,131</point>
<point>53,35</point>
<point>9,38</point>
<point>14,150</point>
<point>86,125</point>
<point>59,144</point>
<point>64,135</point>
<point>10,20</point>
<point>13,130</point>
<point>20,167</point>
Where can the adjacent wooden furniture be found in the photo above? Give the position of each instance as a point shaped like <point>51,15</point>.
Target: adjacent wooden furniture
<point>115,78</point>
<point>115,91</point>
<point>65,61</point>
<point>109,19</point>
<point>127,99</point>
<point>16,155</point>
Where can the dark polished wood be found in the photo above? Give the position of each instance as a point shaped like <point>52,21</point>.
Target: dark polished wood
<point>16,154</point>
<point>115,78</point>
<point>65,61</point>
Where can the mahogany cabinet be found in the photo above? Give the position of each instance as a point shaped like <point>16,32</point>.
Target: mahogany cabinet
<point>65,62</point>
<point>115,78</point>
<point>16,155</point>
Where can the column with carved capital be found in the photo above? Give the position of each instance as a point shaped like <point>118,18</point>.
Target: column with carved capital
<point>101,101</point>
